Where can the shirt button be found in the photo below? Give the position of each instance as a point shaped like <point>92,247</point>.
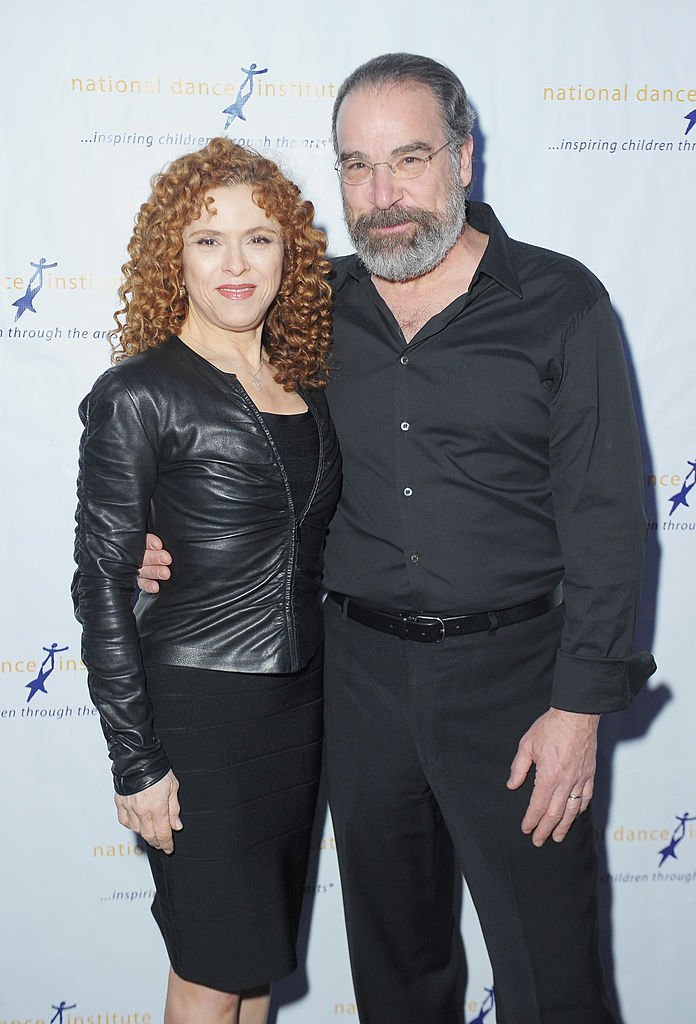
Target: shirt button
<point>403,360</point>
<point>408,492</point>
<point>405,425</point>
<point>415,556</point>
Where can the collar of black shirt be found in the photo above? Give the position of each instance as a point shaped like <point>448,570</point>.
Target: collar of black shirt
<point>497,261</point>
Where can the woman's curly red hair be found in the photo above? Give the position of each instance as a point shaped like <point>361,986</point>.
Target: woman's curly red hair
<point>297,332</point>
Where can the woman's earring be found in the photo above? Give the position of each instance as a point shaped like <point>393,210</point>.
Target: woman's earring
<point>182,291</point>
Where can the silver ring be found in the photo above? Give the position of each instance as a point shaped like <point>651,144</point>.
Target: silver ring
<point>573,797</point>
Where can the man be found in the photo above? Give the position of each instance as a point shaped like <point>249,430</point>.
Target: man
<point>490,454</point>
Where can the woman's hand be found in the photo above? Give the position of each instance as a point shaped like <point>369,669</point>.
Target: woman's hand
<point>156,562</point>
<point>153,812</point>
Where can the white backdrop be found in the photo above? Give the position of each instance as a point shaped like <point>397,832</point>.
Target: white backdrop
<point>584,146</point>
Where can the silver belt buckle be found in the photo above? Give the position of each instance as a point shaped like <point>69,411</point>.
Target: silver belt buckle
<point>429,620</point>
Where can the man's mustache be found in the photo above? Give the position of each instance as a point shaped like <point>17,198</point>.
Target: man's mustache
<point>392,218</point>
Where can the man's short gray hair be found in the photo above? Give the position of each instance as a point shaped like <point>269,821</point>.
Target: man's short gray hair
<point>409,68</point>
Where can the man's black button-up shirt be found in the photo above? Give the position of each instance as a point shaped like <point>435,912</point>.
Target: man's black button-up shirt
<point>493,456</point>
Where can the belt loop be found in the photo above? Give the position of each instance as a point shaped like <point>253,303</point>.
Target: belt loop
<point>492,623</point>
<point>344,607</point>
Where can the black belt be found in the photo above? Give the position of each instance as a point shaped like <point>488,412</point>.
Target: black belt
<point>431,629</point>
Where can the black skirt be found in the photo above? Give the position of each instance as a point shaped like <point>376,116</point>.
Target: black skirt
<point>246,750</point>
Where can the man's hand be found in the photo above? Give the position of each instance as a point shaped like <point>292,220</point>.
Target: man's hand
<point>153,812</point>
<point>563,747</point>
<point>155,565</point>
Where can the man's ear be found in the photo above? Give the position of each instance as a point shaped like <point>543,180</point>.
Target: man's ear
<point>466,158</point>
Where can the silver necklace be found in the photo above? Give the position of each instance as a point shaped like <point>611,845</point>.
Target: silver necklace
<point>254,374</point>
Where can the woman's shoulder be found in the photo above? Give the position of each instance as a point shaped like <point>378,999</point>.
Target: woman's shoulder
<point>152,371</point>
<point>147,373</point>
<point>159,358</point>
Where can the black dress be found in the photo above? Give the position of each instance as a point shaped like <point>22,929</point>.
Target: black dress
<point>246,749</point>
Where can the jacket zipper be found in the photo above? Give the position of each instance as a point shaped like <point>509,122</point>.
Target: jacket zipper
<point>295,523</point>
<point>320,467</point>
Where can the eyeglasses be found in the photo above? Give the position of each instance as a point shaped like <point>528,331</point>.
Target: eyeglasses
<point>356,172</point>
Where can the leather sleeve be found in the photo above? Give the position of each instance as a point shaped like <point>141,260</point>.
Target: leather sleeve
<point>118,469</point>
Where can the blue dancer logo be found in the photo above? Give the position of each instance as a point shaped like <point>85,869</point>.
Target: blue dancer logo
<point>680,497</point>
<point>244,93</point>
<point>47,666</point>
<point>677,836</point>
<point>60,1009</point>
<point>486,1007</point>
<point>27,300</point>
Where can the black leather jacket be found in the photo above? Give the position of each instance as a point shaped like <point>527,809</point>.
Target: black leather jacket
<point>174,446</point>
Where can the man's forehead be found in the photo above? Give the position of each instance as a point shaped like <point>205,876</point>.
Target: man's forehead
<point>406,107</point>
<point>376,94</point>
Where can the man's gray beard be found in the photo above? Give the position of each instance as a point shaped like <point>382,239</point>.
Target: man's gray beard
<point>399,259</point>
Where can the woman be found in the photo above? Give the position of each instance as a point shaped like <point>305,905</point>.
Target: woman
<point>212,431</point>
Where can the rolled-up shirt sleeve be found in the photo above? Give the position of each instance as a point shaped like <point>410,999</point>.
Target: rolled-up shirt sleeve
<point>117,474</point>
<point>596,480</point>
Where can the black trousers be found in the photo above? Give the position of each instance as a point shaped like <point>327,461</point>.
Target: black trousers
<point>418,745</point>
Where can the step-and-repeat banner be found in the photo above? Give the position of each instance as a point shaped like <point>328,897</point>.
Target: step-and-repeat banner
<point>584,145</point>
